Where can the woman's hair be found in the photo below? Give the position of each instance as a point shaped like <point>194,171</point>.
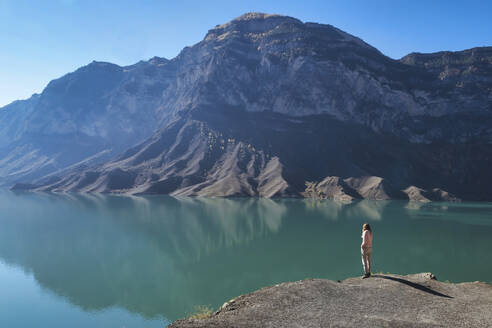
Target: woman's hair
<point>365,227</point>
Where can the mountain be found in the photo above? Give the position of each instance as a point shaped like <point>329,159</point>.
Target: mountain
<point>85,116</point>
<point>264,105</point>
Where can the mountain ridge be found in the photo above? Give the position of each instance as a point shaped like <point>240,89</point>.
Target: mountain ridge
<point>428,114</point>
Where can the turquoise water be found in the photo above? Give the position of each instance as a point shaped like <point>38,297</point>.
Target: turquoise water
<point>114,261</point>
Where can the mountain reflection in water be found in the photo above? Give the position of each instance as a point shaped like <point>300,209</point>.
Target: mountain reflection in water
<point>159,256</point>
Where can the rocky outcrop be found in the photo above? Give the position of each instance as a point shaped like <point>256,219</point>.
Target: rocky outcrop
<point>366,187</point>
<point>371,188</point>
<point>417,194</point>
<point>384,300</point>
<point>331,188</point>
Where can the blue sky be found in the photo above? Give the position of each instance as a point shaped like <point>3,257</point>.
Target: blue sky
<point>43,39</point>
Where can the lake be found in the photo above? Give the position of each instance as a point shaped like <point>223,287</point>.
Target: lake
<point>114,261</point>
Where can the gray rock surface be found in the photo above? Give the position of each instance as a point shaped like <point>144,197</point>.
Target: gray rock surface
<point>331,188</point>
<point>436,194</point>
<point>371,188</point>
<point>365,187</point>
<point>384,300</point>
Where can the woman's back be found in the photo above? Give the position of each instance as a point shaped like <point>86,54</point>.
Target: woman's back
<point>367,239</point>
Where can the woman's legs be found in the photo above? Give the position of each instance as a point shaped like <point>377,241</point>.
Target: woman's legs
<point>366,260</point>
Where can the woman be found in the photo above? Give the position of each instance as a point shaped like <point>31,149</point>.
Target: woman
<point>366,249</point>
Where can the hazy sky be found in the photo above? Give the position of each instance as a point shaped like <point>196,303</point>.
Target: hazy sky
<point>43,39</point>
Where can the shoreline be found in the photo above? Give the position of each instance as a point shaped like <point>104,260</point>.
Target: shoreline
<point>240,197</point>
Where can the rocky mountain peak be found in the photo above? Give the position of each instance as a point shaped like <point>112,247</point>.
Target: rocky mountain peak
<point>255,23</point>
<point>478,55</point>
<point>257,15</point>
<point>158,61</point>
<point>249,20</point>
<point>279,33</point>
<point>468,71</point>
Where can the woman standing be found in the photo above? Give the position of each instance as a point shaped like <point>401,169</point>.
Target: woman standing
<point>366,249</point>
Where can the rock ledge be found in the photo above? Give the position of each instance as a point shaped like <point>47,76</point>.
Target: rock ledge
<point>384,300</point>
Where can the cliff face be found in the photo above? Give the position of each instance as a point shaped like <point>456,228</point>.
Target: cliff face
<point>86,116</point>
<point>264,104</point>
